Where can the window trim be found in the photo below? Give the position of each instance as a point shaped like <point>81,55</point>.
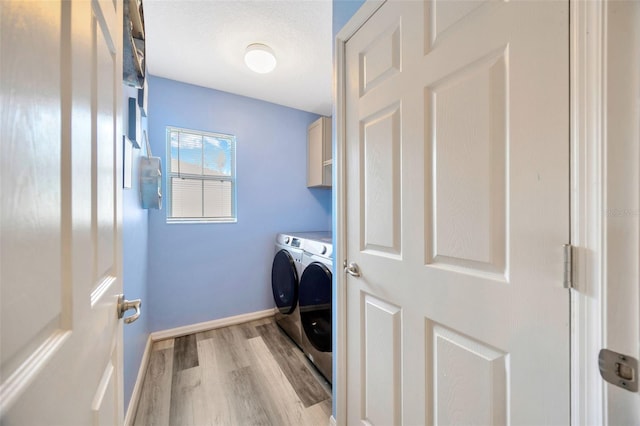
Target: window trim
<point>169,175</point>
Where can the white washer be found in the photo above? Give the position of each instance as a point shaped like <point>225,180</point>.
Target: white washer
<point>286,270</point>
<point>315,300</point>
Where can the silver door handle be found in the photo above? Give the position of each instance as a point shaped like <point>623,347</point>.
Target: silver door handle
<point>352,269</point>
<point>124,305</point>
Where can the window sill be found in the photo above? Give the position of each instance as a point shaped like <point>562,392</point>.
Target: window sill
<point>173,221</point>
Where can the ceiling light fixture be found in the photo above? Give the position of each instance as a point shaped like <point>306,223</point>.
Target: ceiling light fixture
<point>260,58</point>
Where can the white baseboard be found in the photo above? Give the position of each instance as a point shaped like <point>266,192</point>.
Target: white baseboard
<point>210,325</point>
<point>332,421</point>
<point>137,388</point>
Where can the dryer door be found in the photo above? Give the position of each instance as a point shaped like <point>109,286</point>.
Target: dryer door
<point>315,305</point>
<point>284,282</point>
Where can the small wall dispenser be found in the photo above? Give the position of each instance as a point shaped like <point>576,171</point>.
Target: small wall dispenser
<point>150,179</point>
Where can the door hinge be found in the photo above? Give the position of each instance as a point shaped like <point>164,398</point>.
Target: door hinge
<point>567,281</point>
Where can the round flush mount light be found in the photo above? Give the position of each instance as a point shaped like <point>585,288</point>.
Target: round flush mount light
<point>260,58</point>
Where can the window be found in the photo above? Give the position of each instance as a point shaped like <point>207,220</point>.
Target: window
<point>201,182</point>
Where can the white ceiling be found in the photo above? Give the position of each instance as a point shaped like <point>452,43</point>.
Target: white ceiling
<point>202,42</point>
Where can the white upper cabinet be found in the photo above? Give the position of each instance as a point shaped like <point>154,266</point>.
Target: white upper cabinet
<point>319,153</point>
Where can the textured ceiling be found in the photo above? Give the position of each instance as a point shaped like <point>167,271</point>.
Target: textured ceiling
<point>202,42</point>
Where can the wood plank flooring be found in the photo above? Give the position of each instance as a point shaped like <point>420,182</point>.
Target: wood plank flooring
<point>247,374</point>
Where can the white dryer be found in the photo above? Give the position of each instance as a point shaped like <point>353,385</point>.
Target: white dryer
<point>285,279</point>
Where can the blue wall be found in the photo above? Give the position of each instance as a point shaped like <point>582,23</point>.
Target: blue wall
<point>202,272</point>
<point>343,10</point>
<point>134,251</point>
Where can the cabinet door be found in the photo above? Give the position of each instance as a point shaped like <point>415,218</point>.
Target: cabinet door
<point>319,153</point>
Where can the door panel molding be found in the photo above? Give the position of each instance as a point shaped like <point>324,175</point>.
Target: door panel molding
<point>381,175</point>
<point>478,373</point>
<point>381,364</point>
<point>28,370</point>
<point>477,244</point>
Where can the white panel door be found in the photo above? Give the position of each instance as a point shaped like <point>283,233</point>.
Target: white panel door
<point>61,356</point>
<point>457,208</point>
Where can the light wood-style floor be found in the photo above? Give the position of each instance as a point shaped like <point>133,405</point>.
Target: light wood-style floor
<point>248,374</point>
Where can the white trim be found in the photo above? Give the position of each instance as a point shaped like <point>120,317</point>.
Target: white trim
<point>339,352</point>
<point>210,325</point>
<point>137,388</point>
<point>340,246</point>
<point>588,126</point>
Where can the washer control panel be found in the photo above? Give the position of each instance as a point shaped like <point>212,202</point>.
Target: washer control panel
<point>312,246</point>
<point>289,240</point>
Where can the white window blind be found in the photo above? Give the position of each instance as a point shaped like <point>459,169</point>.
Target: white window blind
<point>201,180</point>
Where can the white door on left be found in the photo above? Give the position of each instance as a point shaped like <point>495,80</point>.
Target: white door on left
<point>61,268</point>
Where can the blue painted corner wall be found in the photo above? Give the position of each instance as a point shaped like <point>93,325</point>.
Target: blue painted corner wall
<point>202,272</point>
<point>134,252</point>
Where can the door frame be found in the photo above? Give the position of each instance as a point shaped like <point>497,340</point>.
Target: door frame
<point>587,65</point>
<point>587,72</point>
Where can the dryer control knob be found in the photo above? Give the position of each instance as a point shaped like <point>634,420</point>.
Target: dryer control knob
<point>286,240</point>
<point>323,250</point>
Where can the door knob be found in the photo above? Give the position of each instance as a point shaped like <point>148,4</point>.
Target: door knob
<point>124,305</point>
<point>352,269</point>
